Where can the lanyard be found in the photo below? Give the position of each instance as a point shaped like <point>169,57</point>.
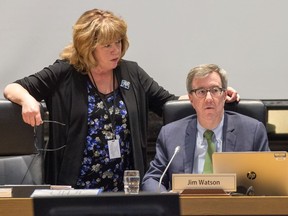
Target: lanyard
<point>111,117</point>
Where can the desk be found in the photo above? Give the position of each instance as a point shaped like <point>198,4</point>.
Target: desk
<point>190,205</point>
<point>236,205</point>
<point>16,207</point>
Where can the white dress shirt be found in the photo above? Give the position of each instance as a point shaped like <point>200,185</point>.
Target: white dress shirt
<point>201,145</point>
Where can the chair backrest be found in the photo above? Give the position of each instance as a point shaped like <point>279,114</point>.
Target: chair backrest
<point>20,162</point>
<point>175,110</point>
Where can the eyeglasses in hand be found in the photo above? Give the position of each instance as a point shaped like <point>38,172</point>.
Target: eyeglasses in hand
<point>39,150</point>
<point>45,149</point>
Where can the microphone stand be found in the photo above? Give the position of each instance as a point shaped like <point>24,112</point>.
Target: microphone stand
<point>177,149</point>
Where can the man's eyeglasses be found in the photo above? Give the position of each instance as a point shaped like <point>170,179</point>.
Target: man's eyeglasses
<point>202,92</point>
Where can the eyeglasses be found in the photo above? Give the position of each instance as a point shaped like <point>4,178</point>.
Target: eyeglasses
<point>202,92</point>
<point>45,149</point>
<point>41,151</point>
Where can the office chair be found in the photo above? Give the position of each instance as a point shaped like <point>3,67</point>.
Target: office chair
<point>20,162</point>
<point>175,110</point>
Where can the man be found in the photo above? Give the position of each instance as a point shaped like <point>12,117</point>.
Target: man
<point>230,131</point>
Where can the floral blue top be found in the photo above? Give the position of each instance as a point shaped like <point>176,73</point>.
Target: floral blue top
<point>98,170</point>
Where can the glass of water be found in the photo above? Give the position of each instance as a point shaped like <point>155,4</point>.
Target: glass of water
<point>131,181</point>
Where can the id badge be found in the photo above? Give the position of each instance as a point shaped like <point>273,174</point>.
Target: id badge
<point>114,149</point>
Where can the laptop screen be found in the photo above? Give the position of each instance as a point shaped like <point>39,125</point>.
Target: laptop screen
<point>265,172</point>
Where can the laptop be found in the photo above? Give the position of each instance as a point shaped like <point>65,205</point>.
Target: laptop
<point>257,173</point>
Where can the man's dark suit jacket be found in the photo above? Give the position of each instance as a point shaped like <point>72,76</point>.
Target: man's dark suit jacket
<point>240,133</point>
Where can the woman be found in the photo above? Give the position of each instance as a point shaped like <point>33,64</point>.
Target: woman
<point>103,101</point>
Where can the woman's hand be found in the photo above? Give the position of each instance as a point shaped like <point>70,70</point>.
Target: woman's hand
<point>232,95</point>
<point>30,106</point>
<point>31,112</point>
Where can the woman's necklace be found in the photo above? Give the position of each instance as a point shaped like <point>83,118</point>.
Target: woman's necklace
<point>113,144</point>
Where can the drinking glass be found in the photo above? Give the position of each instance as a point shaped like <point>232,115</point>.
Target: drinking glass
<point>131,181</point>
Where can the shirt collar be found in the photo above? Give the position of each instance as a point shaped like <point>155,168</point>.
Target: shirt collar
<point>217,131</point>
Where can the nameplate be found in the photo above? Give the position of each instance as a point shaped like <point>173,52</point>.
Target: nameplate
<point>223,181</point>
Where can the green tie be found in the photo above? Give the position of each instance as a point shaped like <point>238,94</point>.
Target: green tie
<point>208,168</point>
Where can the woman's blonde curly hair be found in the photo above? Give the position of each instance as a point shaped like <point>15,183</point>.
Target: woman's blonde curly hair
<point>95,27</point>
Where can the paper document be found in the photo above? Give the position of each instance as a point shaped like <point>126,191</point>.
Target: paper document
<point>72,192</point>
<point>5,192</point>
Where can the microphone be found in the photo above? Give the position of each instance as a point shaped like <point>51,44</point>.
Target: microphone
<point>177,149</point>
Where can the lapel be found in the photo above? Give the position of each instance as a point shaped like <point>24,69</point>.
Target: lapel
<point>229,136</point>
<point>229,140</point>
<point>128,89</point>
<point>125,86</point>
<point>190,144</point>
